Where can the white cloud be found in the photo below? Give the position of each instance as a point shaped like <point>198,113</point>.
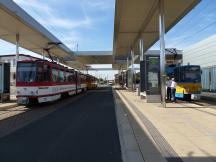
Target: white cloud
<point>71,40</point>
<point>99,5</point>
<point>49,17</point>
<point>70,24</point>
<point>72,21</point>
<point>35,5</point>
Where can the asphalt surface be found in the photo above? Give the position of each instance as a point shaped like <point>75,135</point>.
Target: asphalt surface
<point>83,131</point>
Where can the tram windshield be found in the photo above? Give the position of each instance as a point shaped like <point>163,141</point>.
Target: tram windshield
<point>189,74</point>
<point>26,72</point>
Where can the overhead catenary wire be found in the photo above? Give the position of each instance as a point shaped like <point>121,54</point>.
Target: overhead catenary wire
<point>197,19</point>
<point>194,33</point>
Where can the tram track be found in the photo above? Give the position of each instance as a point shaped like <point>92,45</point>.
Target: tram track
<point>204,106</point>
<point>15,118</point>
<point>203,103</point>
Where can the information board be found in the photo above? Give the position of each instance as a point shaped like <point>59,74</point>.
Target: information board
<point>129,79</point>
<point>142,76</point>
<point>153,75</point>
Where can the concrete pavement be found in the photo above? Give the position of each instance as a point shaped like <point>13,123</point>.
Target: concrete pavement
<point>8,104</point>
<point>83,128</point>
<point>180,132</point>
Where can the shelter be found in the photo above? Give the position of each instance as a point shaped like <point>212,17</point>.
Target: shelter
<point>140,23</point>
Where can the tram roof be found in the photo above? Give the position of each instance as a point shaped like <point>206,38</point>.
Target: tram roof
<point>33,36</point>
<point>140,18</point>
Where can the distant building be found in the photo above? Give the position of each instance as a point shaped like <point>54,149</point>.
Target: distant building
<point>11,59</point>
<point>203,53</point>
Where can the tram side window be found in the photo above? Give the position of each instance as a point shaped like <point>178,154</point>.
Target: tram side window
<point>71,77</point>
<point>47,73</point>
<point>54,75</point>
<point>61,76</point>
<point>40,72</point>
<point>88,79</point>
<point>65,76</point>
<point>78,78</point>
<point>83,78</point>
<point>177,75</point>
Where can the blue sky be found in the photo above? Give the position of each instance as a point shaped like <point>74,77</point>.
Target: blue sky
<point>90,23</point>
<point>86,22</point>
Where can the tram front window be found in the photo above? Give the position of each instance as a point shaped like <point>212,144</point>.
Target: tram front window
<point>192,74</point>
<point>26,72</point>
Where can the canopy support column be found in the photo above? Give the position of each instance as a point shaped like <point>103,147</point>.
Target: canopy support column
<point>162,52</point>
<point>141,47</point>
<point>17,51</point>
<point>43,55</point>
<point>127,63</point>
<point>17,54</point>
<point>132,69</point>
<point>142,67</point>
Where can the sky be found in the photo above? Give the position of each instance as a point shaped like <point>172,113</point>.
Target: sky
<point>90,24</point>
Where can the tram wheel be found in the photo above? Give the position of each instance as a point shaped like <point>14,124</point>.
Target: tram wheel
<point>187,97</point>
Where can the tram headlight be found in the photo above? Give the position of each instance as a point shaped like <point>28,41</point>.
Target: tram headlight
<point>32,93</point>
<point>188,89</point>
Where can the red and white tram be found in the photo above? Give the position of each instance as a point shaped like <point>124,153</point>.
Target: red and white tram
<point>43,81</point>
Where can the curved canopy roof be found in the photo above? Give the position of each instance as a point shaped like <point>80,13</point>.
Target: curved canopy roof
<point>133,19</point>
<point>32,35</point>
<point>94,57</point>
<point>136,19</point>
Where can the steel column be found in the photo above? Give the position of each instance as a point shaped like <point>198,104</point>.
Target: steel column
<point>132,68</point>
<point>17,47</point>
<point>127,63</point>
<point>141,48</point>
<point>162,51</point>
<point>43,55</point>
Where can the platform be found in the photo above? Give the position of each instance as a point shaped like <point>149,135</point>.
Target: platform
<point>175,133</point>
<point>8,104</point>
